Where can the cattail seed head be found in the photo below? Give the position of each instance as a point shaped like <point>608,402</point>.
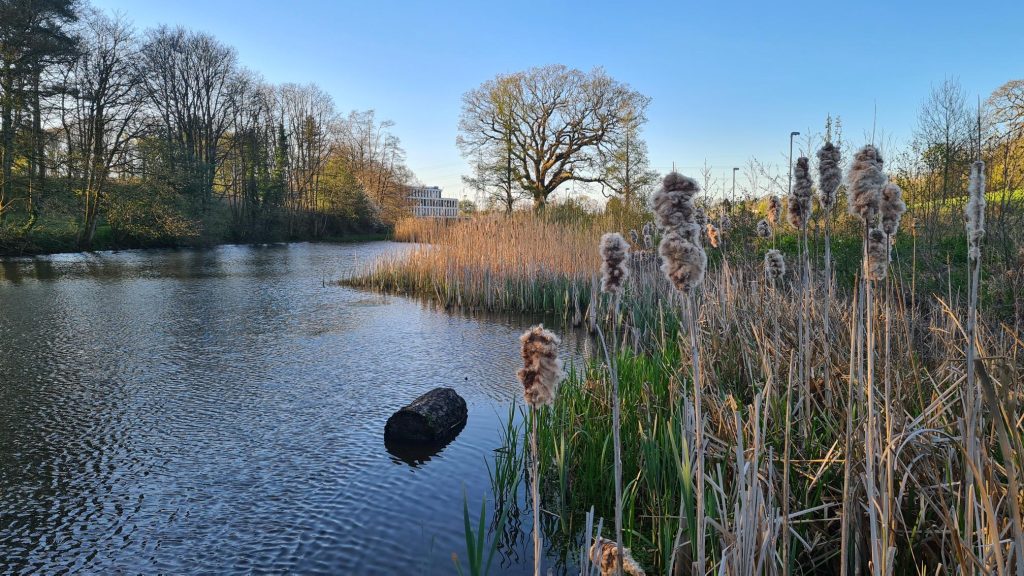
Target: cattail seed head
<point>700,217</point>
<point>865,184</point>
<point>712,232</point>
<point>676,182</point>
<point>892,208</point>
<point>774,265</point>
<point>542,369</point>
<point>672,204</point>
<point>614,262</point>
<point>799,204</point>
<point>774,209</point>
<point>829,174</point>
<point>975,209</point>
<point>764,230</point>
<point>878,255</point>
<point>683,260</point>
<point>606,554</point>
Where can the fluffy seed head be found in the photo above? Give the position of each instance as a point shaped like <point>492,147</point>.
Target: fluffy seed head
<point>975,209</point>
<point>799,205</point>
<point>634,236</point>
<point>798,211</point>
<point>829,174</point>
<point>605,553</point>
<point>774,209</point>
<point>892,207</point>
<point>614,262</point>
<point>683,261</point>
<point>712,232</point>
<point>878,255</point>
<point>672,204</point>
<point>774,265</point>
<point>542,369</point>
<point>725,223</point>
<point>676,182</point>
<point>700,217</point>
<point>866,181</point>
<point>764,230</point>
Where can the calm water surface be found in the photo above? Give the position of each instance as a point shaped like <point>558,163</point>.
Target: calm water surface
<point>222,411</point>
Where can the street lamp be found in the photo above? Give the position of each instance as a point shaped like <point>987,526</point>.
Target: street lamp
<point>791,135</point>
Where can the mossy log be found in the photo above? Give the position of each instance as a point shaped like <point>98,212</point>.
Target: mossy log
<point>435,416</point>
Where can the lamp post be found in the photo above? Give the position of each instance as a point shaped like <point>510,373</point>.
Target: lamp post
<point>791,135</point>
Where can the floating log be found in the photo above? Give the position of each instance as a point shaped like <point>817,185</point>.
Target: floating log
<point>436,416</point>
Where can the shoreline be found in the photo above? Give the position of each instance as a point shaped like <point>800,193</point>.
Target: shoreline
<point>350,239</point>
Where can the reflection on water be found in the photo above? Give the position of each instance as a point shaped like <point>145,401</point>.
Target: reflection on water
<point>418,454</point>
<point>222,411</point>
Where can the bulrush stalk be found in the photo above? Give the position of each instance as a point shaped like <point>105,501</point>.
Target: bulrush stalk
<point>974,212</point>
<point>614,273</point>
<point>798,214</point>
<point>540,375</point>
<point>829,177</point>
<point>774,271</point>
<point>684,263</point>
<point>892,208</point>
<point>866,181</point>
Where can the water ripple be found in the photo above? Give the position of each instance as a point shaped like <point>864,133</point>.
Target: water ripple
<point>222,411</point>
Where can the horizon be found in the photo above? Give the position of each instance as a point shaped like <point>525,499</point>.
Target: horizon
<point>739,107</point>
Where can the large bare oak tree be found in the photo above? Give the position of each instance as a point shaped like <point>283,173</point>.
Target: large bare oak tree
<point>547,125</point>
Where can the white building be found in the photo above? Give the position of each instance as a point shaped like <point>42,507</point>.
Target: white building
<point>426,202</point>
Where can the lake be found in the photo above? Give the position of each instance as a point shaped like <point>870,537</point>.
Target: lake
<point>222,411</point>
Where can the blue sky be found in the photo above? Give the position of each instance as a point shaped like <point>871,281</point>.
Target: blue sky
<point>729,80</point>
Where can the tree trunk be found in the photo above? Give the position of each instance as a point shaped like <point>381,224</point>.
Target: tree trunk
<point>435,416</point>
<point>7,130</point>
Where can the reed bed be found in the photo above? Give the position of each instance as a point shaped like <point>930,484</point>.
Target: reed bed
<point>521,264</point>
<point>852,422</point>
<point>746,424</point>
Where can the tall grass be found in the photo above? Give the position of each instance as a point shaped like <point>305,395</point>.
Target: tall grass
<point>523,263</point>
<point>887,446</point>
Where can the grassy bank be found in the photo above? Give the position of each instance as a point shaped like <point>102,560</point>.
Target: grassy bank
<point>137,218</point>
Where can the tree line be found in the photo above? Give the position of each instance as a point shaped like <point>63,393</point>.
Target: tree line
<point>112,135</point>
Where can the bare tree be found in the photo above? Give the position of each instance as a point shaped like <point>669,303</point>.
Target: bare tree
<point>100,118</point>
<point>376,157</point>
<point>1006,159</point>
<point>310,121</point>
<point>943,136</point>
<point>559,121</point>
<point>626,170</point>
<point>192,82</point>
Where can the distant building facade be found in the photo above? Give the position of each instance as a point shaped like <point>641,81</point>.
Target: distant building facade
<point>427,202</point>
